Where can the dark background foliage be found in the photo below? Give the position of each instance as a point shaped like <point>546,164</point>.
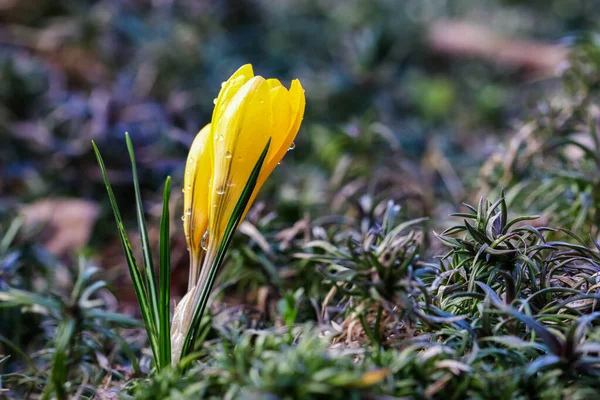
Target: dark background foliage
<point>73,71</point>
<point>413,107</point>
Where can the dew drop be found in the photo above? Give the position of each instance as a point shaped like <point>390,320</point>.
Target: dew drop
<point>221,138</point>
<point>279,163</point>
<point>221,189</point>
<point>292,146</point>
<point>183,217</point>
<point>188,212</point>
<point>215,101</point>
<point>223,84</point>
<point>189,187</point>
<point>204,241</point>
<point>182,190</point>
<point>228,155</point>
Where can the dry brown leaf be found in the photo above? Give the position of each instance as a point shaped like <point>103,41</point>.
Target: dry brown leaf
<point>66,224</point>
<point>467,38</point>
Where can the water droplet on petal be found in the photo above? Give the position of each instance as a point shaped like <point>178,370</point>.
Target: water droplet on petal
<point>221,138</point>
<point>183,217</point>
<point>188,212</point>
<point>189,187</point>
<point>279,163</point>
<point>221,189</point>
<point>182,190</point>
<point>223,84</point>
<point>228,155</point>
<point>215,101</point>
<point>292,146</point>
<point>204,241</point>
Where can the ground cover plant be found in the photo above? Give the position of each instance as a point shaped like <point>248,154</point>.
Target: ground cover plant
<point>435,238</point>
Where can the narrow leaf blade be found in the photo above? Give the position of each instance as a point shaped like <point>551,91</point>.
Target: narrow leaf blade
<point>147,254</point>
<point>165,279</point>
<point>134,271</point>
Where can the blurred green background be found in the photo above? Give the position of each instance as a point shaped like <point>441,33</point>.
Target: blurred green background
<point>405,99</point>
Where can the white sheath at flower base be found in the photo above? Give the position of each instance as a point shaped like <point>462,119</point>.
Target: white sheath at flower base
<point>181,317</point>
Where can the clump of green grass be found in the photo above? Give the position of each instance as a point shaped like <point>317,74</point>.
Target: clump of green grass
<point>82,341</point>
<point>264,364</point>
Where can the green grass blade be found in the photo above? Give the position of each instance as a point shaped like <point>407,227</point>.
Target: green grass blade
<point>16,297</point>
<point>134,270</point>
<point>11,234</point>
<point>60,361</point>
<point>232,224</point>
<point>151,284</point>
<point>165,280</point>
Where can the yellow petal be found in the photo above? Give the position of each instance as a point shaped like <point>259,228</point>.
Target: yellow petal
<point>240,136</point>
<point>281,111</point>
<point>298,104</point>
<point>196,182</point>
<point>272,82</point>
<point>230,88</point>
<point>282,137</point>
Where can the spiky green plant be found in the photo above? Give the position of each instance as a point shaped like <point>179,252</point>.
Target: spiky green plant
<point>74,321</point>
<point>375,269</point>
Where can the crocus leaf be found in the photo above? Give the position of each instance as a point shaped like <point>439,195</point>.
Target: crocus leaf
<point>134,271</point>
<point>165,280</point>
<point>147,254</point>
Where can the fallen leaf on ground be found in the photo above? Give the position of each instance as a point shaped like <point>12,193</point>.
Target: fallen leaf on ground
<point>66,224</point>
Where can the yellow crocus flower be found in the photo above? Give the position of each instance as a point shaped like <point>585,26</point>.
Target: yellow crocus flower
<point>248,112</point>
